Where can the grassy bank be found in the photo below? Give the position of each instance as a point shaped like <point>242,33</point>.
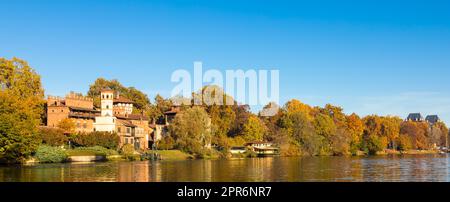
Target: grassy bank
<point>408,152</point>
<point>171,155</point>
<point>91,151</point>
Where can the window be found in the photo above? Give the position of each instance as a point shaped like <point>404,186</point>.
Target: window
<point>107,106</point>
<point>131,141</point>
<point>84,125</point>
<point>126,140</point>
<point>128,130</point>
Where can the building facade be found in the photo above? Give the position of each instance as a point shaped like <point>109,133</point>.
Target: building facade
<point>75,107</point>
<point>115,115</point>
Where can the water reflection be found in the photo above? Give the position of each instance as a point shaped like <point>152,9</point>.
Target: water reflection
<point>327,169</point>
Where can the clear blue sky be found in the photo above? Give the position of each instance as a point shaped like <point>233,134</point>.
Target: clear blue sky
<point>370,57</point>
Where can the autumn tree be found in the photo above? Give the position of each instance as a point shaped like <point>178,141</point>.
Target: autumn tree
<point>189,136</point>
<point>272,122</point>
<point>355,128</point>
<point>297,125</point>
<point>214,100</point>
<point>156,111</point>
<point>254,129</point>
<point>390,129</point>
<point>404,142</point>
<point>418,132</point>
<point>67,125</point>
<point>373,141</point>
<point>324,126</point>
<point>439,133</point>
<point>21,108</point>
<point>140,99</point>
<point>294,106</point>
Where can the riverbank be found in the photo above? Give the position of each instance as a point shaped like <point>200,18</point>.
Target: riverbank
<point>177,155</point>
<point>408,152</point>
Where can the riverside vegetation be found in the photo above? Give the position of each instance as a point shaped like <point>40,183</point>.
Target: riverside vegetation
<point>297,128</point>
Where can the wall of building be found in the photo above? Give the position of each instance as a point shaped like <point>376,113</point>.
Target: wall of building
<point>123,109</point>
<point>77,102</point>
<point>56,114</point>
<point>105,124</point>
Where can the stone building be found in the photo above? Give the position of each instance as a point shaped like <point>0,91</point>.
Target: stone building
<point>74,106</point>
<point>117,116</point>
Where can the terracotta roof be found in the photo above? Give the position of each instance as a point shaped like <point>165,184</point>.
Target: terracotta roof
<point>174,110</point>
<point>125,123</point>
<point>132,117</point>
<point>123,100</point>
<point>87,116</point>
<point>83,109</point>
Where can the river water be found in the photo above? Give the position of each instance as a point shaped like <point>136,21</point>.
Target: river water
<point>414,168</point>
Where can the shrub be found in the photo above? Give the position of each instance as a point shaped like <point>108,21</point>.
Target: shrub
<point>48,154</point>
<point>103,139</point>
<point>128,152</point>
<point>53,136</point>
<point>166,143</point>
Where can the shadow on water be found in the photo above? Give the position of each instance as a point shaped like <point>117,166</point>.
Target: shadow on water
<point>415,168</point>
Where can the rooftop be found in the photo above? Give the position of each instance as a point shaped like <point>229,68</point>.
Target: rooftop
<point>432,118</point>
<point>123,100</point>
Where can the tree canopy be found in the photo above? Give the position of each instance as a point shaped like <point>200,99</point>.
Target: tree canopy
<point>21,108</point>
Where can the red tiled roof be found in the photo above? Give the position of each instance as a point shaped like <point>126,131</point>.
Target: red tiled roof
<point>132,117</point>
<point>125,123</point>
<point>123,100</point>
